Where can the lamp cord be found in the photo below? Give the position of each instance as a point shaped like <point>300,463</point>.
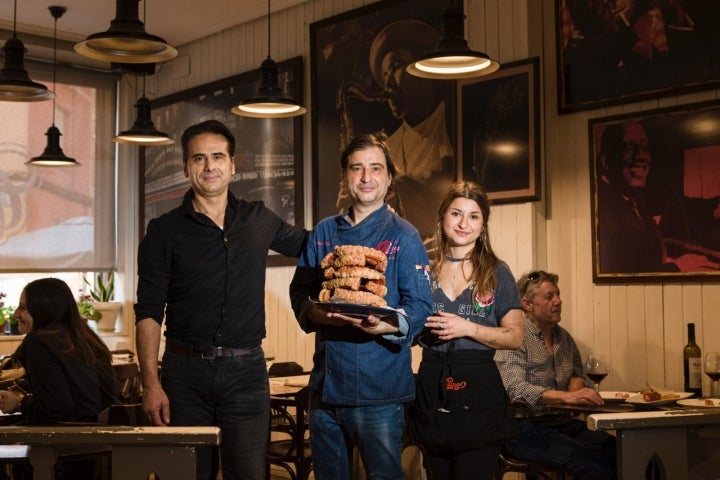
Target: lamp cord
<point>268,29</point>
<point>54,66</point>
<point>15,20</point>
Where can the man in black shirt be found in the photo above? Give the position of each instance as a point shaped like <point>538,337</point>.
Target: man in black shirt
<point>201,268</point>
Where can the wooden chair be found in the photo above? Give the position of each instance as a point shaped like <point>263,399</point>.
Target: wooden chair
<point>533,471</point>
<point>289,448</point>
<point>128,375</point>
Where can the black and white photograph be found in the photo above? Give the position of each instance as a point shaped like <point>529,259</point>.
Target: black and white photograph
<point>360,85</point>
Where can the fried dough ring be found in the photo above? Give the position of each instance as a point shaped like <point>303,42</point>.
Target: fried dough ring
<point>365,298</point>
<point>376,287</point>
<point>351,283</point>
<point>325,295</point>
<point>353,259</point>
<point>361,272</point>
<point>328,260</point>
<point>372,256</point>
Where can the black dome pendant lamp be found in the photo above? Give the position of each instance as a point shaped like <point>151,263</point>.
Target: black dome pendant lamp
<point>126,41</point>
<point>269,102</point>
<point>143,131</point>
<point>53,155</point>
<point>453,59</point>
<point>15,83</point>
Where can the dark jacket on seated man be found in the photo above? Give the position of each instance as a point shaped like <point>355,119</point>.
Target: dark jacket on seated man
<point>547,371</point>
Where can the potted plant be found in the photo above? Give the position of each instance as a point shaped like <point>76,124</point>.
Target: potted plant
<point>85,306</point>
<point>102,294</point>
<point>7,322</point>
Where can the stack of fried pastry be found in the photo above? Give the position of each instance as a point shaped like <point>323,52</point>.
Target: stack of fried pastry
<point>354,274</point>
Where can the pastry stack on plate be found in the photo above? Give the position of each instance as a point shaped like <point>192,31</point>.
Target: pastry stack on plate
<point>354,274</point>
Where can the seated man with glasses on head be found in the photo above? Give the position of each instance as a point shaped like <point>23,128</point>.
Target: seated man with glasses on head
<point>547,370</point>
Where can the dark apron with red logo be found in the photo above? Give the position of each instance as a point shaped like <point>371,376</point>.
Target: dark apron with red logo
<point>460,403</point>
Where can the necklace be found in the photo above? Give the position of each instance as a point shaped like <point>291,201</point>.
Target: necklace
<point>455,259</point>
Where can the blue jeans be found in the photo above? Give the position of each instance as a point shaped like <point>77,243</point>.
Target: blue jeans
<point>375,430</point>
<point>567,444</point>
<point>231,393</point>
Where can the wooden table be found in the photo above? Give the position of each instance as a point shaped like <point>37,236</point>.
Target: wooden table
<point>136,451</point>
<point>677,444</point>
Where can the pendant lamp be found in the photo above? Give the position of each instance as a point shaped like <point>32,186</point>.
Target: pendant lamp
<point>126,40</point>
<point>269,101</point>
<point>143,131</point>
<point>453,59</point>
<point>53,155</point>
<point>15,83</point>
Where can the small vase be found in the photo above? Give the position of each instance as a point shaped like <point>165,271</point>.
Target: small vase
<point>109,312</point>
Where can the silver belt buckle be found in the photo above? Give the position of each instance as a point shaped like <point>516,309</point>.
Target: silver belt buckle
<point>212,353</point>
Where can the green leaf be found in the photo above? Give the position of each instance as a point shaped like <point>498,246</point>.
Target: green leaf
<point>104,288</point>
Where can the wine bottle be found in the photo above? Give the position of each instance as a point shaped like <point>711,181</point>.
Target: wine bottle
<point>692,367</point>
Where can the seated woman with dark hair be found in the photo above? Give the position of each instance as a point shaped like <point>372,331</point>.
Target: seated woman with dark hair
<point>69,375</point>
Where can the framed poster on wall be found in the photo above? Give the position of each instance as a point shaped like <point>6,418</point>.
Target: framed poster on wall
<point>360,85</point>
<point>499,132</point>
<point>616,52</point>
<point>655,182</point>
<point>268,152</point>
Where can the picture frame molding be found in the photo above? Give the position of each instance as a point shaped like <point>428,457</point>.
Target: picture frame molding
<point>707,81</point>
<point>684,114</point>
<point>531,68</point>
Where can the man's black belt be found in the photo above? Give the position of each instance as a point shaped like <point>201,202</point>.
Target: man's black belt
<point>212,352</point>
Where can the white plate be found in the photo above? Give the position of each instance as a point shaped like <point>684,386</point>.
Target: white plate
<point>638,399</point>
<point>615,397</point>
<point>700,402</point>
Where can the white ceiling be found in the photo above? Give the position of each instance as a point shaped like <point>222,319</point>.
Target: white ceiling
<point>177,21</point>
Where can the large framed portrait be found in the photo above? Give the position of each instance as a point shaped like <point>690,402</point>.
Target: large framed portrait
<point>499,132</point>
<point>655,181</point>
<point>612,52</point>
<point>360,85</point>
<point>268,152</point>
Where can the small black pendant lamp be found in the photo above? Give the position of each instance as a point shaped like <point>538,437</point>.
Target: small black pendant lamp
<point>269,102</point>
<point>143,131</point>
<point>453,59</point>
<point>53,155</point>
<point>15,83</point>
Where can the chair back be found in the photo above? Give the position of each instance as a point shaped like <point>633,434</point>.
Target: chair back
<point>128,375</point>
<point>285,369</point>
<point>131,415</point>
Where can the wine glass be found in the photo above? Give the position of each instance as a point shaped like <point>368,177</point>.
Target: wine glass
<point>596,368</point>
<point>712,370</point>
<point>269,354</point>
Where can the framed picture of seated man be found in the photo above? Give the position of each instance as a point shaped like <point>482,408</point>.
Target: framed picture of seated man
<point>655,182</point>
